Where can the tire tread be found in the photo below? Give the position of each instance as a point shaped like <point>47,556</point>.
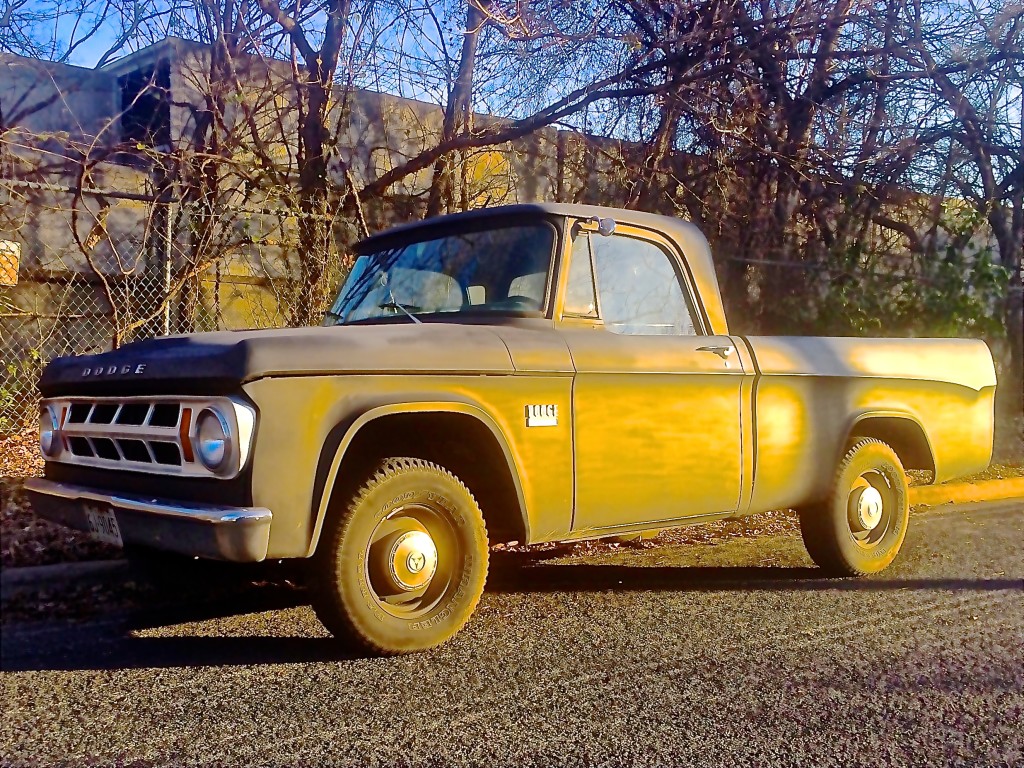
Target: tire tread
<point>325,589</point>
<point>815,519</point>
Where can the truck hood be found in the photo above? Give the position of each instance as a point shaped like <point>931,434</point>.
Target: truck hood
<point>220,361</point>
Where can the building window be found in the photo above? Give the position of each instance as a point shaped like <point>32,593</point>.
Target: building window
<point>146,106</point>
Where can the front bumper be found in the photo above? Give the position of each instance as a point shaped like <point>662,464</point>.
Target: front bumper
<point>240,534</point>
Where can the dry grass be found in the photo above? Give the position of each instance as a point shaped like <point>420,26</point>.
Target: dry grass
<point>762,524</point>
<point>1009,438</point>
<point>26,539</point>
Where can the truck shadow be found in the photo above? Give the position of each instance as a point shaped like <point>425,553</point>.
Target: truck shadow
<point>241,620</point>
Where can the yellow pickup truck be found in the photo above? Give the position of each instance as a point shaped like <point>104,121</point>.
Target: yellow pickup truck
<point>529,373</point>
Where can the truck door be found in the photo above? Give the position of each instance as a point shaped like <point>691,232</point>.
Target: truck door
<point>656,404</point>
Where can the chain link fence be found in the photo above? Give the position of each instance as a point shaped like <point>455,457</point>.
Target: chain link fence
<point>84,271</point>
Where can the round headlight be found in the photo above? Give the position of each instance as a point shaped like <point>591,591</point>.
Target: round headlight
<point>49,438</point>
<point>213,435</point>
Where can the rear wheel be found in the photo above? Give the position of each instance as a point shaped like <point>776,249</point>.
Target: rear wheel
<point>860,528</point>
<point>402,568</point>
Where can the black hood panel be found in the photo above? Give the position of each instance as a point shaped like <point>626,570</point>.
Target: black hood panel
<point>217,363</point>
<point>172,365</point>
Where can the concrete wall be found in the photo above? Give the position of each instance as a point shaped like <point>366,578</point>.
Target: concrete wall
<point>71,104</point>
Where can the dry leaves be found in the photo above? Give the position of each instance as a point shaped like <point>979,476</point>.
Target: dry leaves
<point>20,456</point>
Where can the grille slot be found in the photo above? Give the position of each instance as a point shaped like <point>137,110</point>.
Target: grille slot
<point>103,413</point>
<point>134,450</point>
<point>165,415</point>
<point>133,414</point>
<point>79,413</point>
<point>80,446</point>
<point>166,453</point>
<point>105,448</point>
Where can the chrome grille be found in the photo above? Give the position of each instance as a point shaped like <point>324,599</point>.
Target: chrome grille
<point>143,434</point>
<point>128,414</point>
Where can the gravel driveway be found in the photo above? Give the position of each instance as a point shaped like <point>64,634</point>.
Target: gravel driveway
<point>723,655</point>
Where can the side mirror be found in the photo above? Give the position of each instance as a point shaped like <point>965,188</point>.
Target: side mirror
<point>605,227</point>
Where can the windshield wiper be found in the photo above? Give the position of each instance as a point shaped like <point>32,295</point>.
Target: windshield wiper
<point>392,304</point>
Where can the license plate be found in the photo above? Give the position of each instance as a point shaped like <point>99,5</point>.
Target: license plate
<point>103,525</point>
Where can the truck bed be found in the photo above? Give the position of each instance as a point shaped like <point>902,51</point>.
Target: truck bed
<point>931,398</point>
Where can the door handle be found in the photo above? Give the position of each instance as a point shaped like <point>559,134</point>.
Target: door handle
<point>723,352</point>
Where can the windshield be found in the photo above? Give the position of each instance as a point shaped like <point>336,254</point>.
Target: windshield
<point>500,270</point>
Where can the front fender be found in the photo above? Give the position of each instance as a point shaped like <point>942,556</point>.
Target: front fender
<point>344,433</point>
<point>307,423</point>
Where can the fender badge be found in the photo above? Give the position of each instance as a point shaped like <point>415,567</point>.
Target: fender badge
<point>542,415</point>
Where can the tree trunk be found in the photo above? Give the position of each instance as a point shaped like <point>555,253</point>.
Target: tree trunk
<point>456,115</point>
<point>1014,384</point>
<point>646,194</point>
<point>1011,248</point>
<point>314,205</point>
<point>314,233</point>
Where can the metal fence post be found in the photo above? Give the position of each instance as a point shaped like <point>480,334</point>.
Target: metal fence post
<point>168,233</point>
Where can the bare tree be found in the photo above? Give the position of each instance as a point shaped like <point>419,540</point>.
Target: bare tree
<point>973,56</point>
<point>56,30</point>
<point>799,135</point>
<point>458,112</point>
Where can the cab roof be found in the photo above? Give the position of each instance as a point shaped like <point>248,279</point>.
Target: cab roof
<point>687,236</point>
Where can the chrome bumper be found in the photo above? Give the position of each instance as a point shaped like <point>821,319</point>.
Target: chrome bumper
<point>241,534</point>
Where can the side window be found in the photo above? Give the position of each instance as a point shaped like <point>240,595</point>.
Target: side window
<point>580,299</point>
<point>638,289</point>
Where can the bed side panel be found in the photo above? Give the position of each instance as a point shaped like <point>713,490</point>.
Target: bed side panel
<point>805,414</point>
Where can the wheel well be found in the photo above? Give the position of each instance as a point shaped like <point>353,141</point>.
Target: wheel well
<point>904,436</point>
<point>458,442</point>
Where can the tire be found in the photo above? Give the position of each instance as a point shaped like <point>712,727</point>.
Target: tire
<point>402,568</point>
<point>861,527</point>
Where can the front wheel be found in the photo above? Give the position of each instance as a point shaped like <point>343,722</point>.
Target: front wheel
<point>403,567</point>
<point>860,528</point>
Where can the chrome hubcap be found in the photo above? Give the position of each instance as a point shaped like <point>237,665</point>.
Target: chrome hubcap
<point>412,560</point>
<point>865,509</point>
